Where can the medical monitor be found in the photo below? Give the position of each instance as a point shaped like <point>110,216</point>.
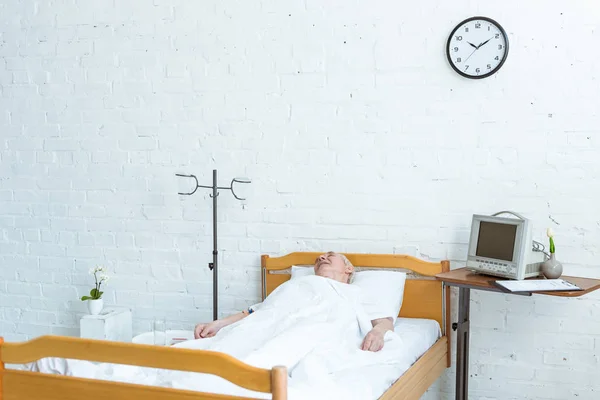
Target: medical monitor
<point>502,246</point>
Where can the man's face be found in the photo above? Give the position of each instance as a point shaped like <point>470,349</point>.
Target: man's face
<point>332,265</point>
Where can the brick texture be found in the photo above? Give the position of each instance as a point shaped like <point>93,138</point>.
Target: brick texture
<point>357,134</point>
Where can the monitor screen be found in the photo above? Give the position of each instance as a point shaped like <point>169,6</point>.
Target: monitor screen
<point>496,240</point>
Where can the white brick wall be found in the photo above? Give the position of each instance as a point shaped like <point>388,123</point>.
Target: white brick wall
<point>358,137</point>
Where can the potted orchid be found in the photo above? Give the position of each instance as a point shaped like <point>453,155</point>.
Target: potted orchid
<point>551,268</point>
<point>95,302</point>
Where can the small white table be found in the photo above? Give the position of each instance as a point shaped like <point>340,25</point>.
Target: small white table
<point>113,323</point>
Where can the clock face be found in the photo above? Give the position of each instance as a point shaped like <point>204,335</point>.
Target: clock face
<point>477,47</point>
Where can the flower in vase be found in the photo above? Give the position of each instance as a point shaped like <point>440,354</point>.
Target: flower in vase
<point>100,277</point>
<point>550,234</point>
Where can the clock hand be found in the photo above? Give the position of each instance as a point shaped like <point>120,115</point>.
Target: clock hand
<point>471,55</point>
<point>472,45</point>
<point>484,43</point>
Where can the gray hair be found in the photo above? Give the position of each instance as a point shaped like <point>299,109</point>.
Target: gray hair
<point>348,264</point>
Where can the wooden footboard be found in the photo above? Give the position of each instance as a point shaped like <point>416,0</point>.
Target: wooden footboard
<point>421,375</point>
<point>22,385</point>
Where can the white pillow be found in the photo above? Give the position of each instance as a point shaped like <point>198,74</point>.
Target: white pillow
<point>298,271</point>
<point>384,292</point>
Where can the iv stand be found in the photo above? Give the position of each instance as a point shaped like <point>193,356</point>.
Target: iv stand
<point>213,265</point>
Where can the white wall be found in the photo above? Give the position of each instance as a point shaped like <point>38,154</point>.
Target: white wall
<point>356,132</point>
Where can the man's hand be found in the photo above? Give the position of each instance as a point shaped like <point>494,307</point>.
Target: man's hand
<point>374,339</point>
<point>211,329</point>
<point>207,330</point>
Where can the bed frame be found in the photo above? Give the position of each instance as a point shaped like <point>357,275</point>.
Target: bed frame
<point>424,298</point>
<point>25,385</point>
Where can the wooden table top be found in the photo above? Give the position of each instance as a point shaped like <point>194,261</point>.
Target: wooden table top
<point>462,276</point>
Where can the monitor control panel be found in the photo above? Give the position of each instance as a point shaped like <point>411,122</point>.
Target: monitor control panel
<point>499,267</point>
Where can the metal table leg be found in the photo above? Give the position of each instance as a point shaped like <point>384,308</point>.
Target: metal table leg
<point>462,344</point>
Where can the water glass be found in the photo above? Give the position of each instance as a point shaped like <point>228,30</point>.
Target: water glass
<point>159,329</point>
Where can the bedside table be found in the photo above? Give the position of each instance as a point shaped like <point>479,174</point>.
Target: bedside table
<point>113,323</point>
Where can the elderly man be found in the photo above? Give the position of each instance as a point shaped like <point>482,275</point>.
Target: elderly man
<point>330,265</point>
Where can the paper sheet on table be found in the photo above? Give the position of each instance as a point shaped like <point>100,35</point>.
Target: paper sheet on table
<point>538,285</point>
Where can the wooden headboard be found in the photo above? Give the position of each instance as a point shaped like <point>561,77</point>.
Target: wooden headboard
<point>423,294</point>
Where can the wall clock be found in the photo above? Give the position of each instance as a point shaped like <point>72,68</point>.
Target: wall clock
<point>477,47</point>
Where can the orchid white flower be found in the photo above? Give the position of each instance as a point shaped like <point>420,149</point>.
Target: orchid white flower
<point>100,277</point>
<point>550,232</point>
<point>97,269</point>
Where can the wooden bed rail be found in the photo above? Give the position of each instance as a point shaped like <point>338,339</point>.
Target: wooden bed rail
<point>1,366</point>
<point>163,357</point>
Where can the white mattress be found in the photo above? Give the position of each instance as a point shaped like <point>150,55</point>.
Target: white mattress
<point>418,334</point>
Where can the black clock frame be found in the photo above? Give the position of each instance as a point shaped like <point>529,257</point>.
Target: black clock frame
<point>449,57</point>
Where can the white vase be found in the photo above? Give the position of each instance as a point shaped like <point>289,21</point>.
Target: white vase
<point>95,306</point>
<point>552,268</point>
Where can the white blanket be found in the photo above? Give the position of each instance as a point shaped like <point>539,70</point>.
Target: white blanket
<point>312,325</point>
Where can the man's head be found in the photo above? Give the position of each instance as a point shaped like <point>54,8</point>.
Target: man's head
<point>335,266</point>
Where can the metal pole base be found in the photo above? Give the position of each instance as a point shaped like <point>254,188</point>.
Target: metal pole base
<point>462,344</point>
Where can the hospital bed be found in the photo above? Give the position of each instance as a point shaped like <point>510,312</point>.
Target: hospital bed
<point>424,298</point>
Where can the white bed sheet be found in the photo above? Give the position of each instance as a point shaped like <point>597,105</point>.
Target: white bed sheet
<point>314,325</point>
<point>418,334</point>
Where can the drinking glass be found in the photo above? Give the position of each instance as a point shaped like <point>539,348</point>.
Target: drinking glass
<point>160,331</point>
